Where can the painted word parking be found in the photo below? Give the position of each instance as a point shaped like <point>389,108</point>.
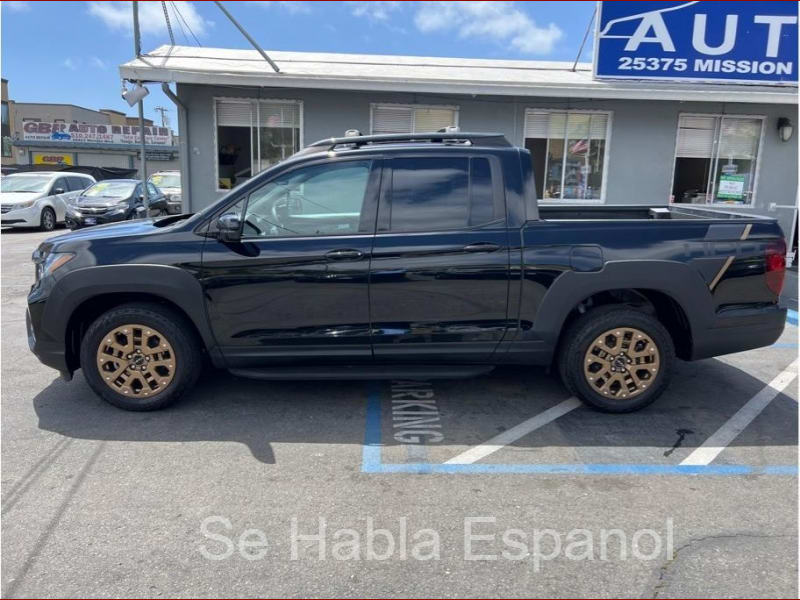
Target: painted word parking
<point>521,422</point>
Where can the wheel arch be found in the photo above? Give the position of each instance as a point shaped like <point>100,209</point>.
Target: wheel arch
<point>81,296</point>
<point>664,288</point>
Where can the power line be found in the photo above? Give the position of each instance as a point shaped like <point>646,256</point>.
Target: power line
<point>181,17</point>
<point>180,26</point>
<point>169,25</point>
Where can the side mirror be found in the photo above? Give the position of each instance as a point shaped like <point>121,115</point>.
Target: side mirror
<point>57,191</point>
<point>229,227</point>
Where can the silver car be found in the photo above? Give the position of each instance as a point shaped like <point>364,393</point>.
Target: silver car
<point>169,182</point>
<point>39,198</point>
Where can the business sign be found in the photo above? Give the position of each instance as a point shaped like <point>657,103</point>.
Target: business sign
<point>731,187</point>
<point>734,42</point>
<point>94,134</point>
<point>53,159</point>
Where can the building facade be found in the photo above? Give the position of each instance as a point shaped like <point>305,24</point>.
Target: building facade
<point>70,135</point>
<point>592,142</point>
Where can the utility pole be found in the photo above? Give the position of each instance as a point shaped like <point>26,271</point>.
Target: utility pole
<point>164,116</point>
<point>137,46</point>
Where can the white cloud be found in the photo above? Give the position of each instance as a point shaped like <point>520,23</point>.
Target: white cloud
<point>70,64</point>
<point>498,21</point>
<point>377,10</point>
<point>118,16</point>
<point>292,6</point>
<point>97,62</point>
<point>16,6</point>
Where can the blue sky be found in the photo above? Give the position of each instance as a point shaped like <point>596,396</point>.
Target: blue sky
<point>69,51</point>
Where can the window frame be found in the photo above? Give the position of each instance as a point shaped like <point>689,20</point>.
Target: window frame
<point>715,156</point>
<point>384,221</point>
<point>251,101</point>
<point>606,152</point>
<point>369,205</point>
<point>373,105</point>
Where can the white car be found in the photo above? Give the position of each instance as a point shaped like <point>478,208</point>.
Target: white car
<point>169,182</point>
<point>39,198</point>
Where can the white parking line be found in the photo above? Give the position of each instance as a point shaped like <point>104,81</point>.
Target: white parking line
<point>715,444</point>
<point>509,436</point>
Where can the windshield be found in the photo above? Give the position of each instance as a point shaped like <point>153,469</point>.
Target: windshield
<point>24,183</point>
<point>166,180</point>
<point>110,189</point>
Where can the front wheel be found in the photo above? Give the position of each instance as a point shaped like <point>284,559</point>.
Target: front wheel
<point>616,359</point>
<point>47,221</point>
<point>140,356</point>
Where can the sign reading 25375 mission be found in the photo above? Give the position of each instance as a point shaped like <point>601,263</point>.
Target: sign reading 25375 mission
<point>735,42</point>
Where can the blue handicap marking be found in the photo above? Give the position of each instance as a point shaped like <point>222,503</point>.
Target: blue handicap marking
<point>371,461</point>
<point>791,317</point>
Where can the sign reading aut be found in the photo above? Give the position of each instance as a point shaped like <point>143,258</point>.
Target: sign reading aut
<point>734,42</point>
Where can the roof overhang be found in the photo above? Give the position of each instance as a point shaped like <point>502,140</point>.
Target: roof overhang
<point>211,66</point>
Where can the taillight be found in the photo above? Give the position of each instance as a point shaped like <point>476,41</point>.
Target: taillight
<point>775,266</point>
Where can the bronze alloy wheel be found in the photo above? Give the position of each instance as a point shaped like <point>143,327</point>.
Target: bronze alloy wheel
<point>621,363</point>
<point>136,361</point>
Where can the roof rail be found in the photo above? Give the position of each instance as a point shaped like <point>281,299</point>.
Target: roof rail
<point>476,139</point>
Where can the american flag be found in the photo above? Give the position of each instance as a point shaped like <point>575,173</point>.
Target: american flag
<point>579,147</point>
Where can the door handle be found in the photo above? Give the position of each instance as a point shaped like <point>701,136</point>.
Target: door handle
<point>344,254</point>
<point>482,247</point>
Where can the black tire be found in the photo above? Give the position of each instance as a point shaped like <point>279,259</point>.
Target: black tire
<point>583,333</point>
<point>47,221</point>
<point>188,359</point>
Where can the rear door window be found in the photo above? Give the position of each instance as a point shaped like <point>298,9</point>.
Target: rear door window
<point>439,193</point>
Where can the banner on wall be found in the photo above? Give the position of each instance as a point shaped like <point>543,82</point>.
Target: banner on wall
<point>734,42</point>
<point>95,133</point>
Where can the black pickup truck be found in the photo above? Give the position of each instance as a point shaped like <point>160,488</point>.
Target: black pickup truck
<point>413,256</point>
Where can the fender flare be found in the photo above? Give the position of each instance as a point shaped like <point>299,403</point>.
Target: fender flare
<point>676,280</point>
<point>173,284</point>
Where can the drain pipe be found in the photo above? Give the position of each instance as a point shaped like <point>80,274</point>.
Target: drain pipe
<point>185,158</point>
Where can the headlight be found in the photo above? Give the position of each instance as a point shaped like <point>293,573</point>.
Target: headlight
<point>174,198</point>
<point>47,264</point>
<point>26,204</point>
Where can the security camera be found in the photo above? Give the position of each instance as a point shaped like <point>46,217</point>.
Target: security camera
<point>135,95</point>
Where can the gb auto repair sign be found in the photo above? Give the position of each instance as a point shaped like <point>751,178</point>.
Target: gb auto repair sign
<point>734,42</point>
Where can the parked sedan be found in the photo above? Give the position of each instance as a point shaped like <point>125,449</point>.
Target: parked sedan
<point>114,200</point>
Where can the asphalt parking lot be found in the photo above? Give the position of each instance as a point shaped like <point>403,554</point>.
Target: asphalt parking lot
<point>213,497</point>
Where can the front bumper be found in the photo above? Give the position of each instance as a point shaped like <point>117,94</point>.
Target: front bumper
<point>50,353</point>
<point>22,217</point>
<point>740,330</point>
<point>174,208</point>
<point>75,220</point>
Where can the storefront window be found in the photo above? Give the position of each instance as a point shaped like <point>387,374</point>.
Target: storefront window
<point>716,159</point>
<point>398,118</point>
<point>568,151</point>
<point>252,135</point>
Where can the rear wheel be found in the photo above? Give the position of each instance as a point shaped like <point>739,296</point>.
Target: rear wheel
<point>617,359</point>
<point>140,356</point>
<point>47,220</point>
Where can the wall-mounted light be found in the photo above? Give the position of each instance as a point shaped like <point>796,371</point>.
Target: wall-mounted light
<point>133,96</point>
<point>785,129</point>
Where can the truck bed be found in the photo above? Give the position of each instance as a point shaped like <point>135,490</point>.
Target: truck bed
<point>638,212</point>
